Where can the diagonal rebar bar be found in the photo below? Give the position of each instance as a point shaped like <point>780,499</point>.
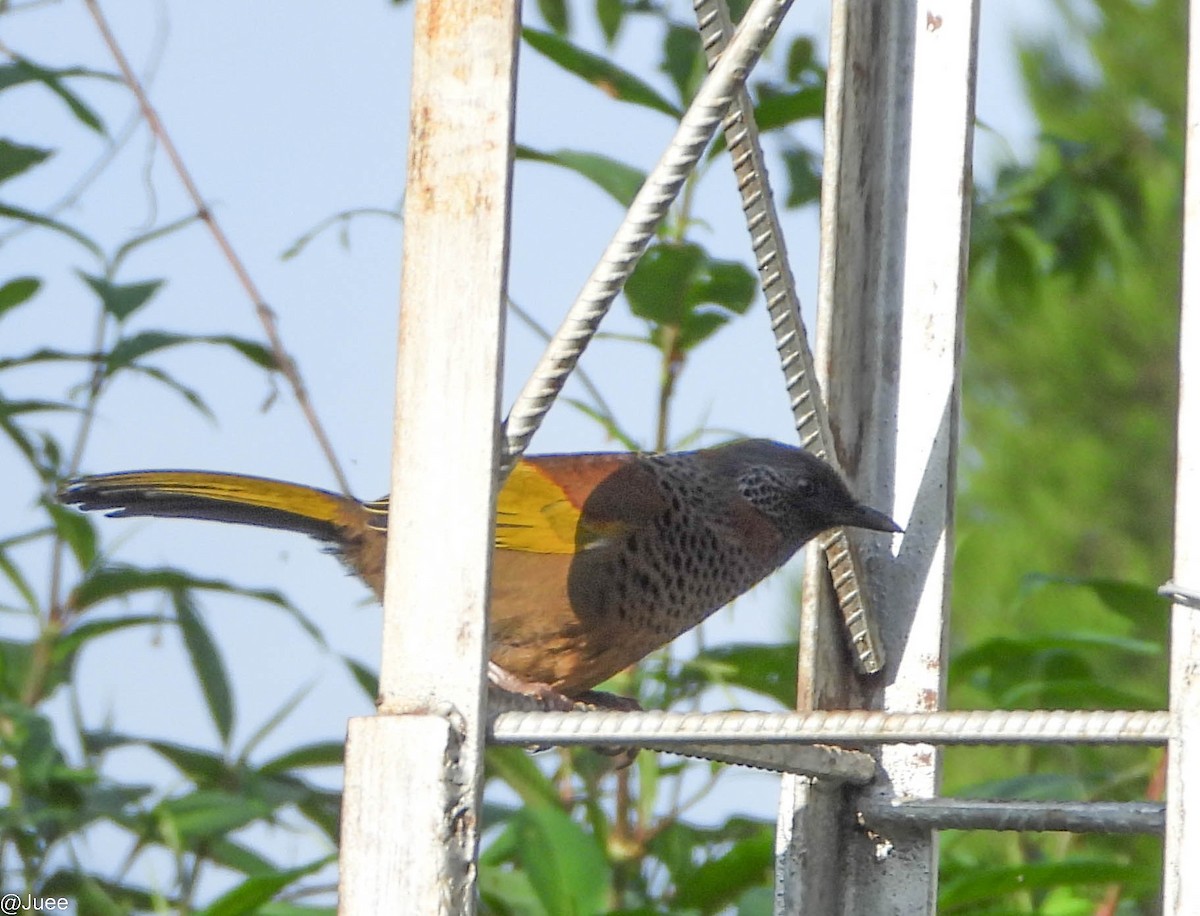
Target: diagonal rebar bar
<point>791,338</point>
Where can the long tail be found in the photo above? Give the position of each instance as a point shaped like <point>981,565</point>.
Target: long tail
<point>218,497</point>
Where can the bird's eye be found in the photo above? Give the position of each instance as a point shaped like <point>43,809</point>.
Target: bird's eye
<point>805,486</point>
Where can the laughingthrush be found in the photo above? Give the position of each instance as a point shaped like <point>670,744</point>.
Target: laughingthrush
<point>600,558</point>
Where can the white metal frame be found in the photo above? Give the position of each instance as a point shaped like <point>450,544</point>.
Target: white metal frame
<point>410,816</point>
<point>1181,877</point>
<point>894,217</point>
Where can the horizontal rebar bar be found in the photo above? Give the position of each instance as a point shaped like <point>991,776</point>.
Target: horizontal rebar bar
<point>852,727</point>
<point>1024,816</point>
<point>1188,597</point>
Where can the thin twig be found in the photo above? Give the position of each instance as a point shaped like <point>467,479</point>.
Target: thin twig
<point>285,364</point>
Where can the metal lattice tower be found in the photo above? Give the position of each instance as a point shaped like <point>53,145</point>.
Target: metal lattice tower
<point>895,207</point>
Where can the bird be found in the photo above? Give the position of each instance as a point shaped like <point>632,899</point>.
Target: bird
<point>599,558</point>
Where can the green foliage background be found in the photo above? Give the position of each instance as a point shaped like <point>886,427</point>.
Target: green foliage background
<point>1063,528</point>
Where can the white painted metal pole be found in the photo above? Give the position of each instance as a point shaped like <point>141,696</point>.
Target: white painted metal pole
<point>410,814</point>
<point>1181,878</point>
<point>895,209</point>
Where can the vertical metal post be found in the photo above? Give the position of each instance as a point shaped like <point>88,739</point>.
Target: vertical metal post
<point>1181,878</point>
<point>895,207</point>
<point>410,813</point>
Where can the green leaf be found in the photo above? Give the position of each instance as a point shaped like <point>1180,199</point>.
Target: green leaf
<point>804,177</point>
<point>190,395</point>
<point>29,216</point>
<point>517,769</point>
<point>802,59</point>
<point>286,708</point>
<point>257,890</point>
<point>45,355</point>
<point>94,895</point>
<point>203,767</point>
<point>1133,600</point>
<point>151,235</point>
<point>721,880</point>
<point>206,662</point>
<point>567,869</point>
<point>119,581</point>
<point>683,60</point>
<point>324,810</point>
<point>319,754</point>
<point>286,907</point>
<point>985,885</point>
<point>610,14</point>
<point>129,349</point>
<point>615,178</point>
<point>366,678</point>
<point>15,408</point>
<point>606,76</point>
<point>26,71</point>
<point>79,634</point>
<point>508,892</point>
<point>76,531</point>
<point>122,299</point>
<point>16,432</point>
<point>673,284</point>
<point>767,669</point>
<point>18,580</point>
<point>698,327</point>
<point>1075,693</point>
<point>17,292</point>
<point>658,288</point>
<point>239,858</point>
<point>1031,786</point>
<point>779,109</point>
<point>756,901</point>
<point>204,815</point>
<point>94,899</point>
<point>16,158</point>
<point>557,15</point>
<point>728,284</point>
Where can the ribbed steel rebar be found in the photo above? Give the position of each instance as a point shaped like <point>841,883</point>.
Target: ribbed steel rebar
<point>851,727</point>
<point>1188,597</point>
<point>1025,816</point>
<point>791,338</point>
<point>816,760</point>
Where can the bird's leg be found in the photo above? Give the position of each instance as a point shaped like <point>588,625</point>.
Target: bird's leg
<point>547,699</point>
<point>544,696</point>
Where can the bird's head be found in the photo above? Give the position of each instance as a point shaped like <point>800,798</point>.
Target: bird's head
<point>798,492</point>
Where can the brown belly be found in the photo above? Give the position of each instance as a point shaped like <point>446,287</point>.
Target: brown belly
<point>540,637</point>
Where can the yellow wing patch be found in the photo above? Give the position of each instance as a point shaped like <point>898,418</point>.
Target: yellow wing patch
<point>534,514</point>
<point>540,508</point>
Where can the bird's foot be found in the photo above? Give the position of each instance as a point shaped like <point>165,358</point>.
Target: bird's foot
<point>541,697</point>
<point>610,702</point>
<point>622,757</point>
<point>507,688</point>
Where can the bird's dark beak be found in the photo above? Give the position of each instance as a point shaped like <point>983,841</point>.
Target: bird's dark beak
<point>861,516</point>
